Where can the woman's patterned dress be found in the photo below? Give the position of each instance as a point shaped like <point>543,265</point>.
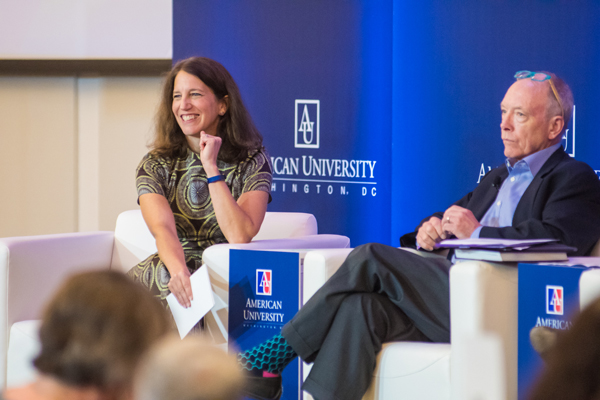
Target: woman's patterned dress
<point>183,182</point>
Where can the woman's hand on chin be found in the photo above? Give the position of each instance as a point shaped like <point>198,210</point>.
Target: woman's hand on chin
<point>209,150</point>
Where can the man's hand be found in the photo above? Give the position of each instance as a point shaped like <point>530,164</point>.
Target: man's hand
<point>430,233</point>
<point>460,222</point>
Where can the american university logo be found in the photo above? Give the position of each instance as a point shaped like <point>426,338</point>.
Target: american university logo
<point>555,305</point>
<point>306,124</point>
<point>314,172</point>
<point>264,282</point>
<point>554,300</point>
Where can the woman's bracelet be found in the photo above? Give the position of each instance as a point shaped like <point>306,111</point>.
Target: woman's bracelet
<point>216,178</point>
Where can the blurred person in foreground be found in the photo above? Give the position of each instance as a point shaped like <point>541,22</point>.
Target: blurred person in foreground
<point>188,369</point>
<point>573,364</point>
<point>93,333</point>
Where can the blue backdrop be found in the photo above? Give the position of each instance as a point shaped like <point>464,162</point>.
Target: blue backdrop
<point>404,95</point>
<point>452,65</point>
<point>336,53</point>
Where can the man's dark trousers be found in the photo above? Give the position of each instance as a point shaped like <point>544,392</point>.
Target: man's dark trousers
<point>379,294</point>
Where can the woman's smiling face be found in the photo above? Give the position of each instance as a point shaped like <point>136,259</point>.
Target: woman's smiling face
<point>195,106</point>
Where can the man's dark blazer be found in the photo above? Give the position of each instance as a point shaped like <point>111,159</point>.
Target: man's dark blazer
<point>562,202</point>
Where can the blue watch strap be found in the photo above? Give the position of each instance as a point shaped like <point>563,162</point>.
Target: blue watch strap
<point>216,178</point>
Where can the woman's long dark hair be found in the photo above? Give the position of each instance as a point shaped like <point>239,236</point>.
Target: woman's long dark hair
<point>235,128</point>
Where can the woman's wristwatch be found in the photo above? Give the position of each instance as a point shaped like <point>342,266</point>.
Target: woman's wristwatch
<point>216,178</point>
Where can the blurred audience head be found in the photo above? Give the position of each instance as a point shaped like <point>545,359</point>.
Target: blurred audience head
<point>95,329</point>
<point>573,365</point>
<point>189,369</point>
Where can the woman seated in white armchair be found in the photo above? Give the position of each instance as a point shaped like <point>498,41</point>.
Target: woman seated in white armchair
<point>206,180</point>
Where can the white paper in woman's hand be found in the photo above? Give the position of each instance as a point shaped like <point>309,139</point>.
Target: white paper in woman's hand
<point>204,300</point>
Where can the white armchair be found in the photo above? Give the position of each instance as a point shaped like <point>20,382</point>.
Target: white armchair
<point>33,267</point>
<point>483,309</point>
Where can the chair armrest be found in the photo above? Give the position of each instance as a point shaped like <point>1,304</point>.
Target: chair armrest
<point>319,265</point>
<point>133,241</point>
<point>217,256</point>
<point>277,225</point>
<point>217,259</point>
<point>484,299</point>
<point>589,287</point>
<point>31,269</point>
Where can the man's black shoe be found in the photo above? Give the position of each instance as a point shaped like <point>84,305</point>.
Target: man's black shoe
<point>260,388</point>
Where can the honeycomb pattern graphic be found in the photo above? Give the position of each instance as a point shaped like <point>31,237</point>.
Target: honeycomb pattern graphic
<point>272,356</point>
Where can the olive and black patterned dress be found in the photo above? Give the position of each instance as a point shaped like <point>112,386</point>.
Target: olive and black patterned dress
<point>183,182</point>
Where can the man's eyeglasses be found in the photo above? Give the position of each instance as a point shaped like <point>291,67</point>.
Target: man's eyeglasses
<point>541,77</point>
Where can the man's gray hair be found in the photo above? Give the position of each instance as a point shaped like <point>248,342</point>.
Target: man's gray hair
<point>566,97</point>
<point>188,369</point>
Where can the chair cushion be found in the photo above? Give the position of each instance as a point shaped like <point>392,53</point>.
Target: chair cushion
<point>280,225</point>
<point>407,358</point>
<point>411,371</point>
<point>133,241</point>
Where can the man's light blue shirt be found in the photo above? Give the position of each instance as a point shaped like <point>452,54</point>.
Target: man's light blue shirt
<point>520,175</point>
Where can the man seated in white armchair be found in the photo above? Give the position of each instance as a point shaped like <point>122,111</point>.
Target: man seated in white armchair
<point>383,294</point>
